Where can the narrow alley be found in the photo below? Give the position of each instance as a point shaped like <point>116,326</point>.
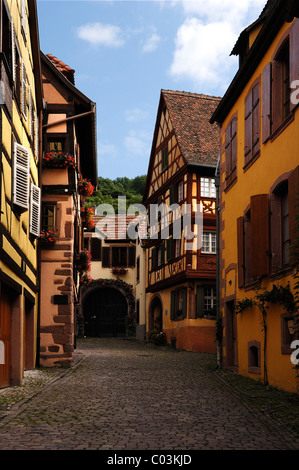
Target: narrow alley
<point>126,395</point>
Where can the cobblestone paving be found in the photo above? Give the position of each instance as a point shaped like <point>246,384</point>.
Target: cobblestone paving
<point>123,395</point>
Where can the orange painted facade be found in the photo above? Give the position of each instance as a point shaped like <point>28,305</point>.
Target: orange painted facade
<point>258,180</point>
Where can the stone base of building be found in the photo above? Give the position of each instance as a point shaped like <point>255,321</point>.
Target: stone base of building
<point>192,338</point>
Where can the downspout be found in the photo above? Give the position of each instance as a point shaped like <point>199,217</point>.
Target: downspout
<point>218,314</point>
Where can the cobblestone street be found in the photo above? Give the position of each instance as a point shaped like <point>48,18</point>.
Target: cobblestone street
<point>123,395</point>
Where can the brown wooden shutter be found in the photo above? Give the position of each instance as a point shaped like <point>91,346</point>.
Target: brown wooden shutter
<point>106,257</point>
<point>275,229</point>
<point>255,119</point>
<point>132,253</point>
<point>266,112</point>
<point>240,243</point>
<point>172,305</point>
<point>95,249</point>
<point>294,55</point>
<point>234,145</point>
<point>228,150</point>
<point>248,127</point>
<point>259,236</point>
<point>293,195</point>
<point>276,94</point>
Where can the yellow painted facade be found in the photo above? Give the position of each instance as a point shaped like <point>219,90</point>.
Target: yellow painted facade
<point>265,174</point>
<point>21,107</point>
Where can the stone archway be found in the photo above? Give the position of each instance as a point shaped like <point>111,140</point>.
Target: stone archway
<point>156,314</point>
<point>107,309</point>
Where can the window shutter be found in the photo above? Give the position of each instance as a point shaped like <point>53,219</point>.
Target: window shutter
<point>184,295</point>
<point>24,90</point>
<point>35,203</point>
<point>248,127</point>
<point>276,94</point>
<point>13,51</point>
<point>95,248</point>
<point>294,55</point>
<point>21,176</point>
<point>293,194</point>
<point>30,113</point>
<point>23,16</point>
<point>259,236</point>
<point>36,136</point>
<point>171,194</point>
<point>106,257</point>
<point>172,305</point>
<point>131,256</point>
<point>266,112</point>
<point>240,243</point>
<point>228,150</point>
<point>153,257</point>
<point>200,298</point>
<point>169,249</point>
<point>275,230</point>
<point>234,144</point>
<point>255,119</point>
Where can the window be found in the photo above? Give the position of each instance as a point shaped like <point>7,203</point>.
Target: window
<point>178,307</point>
<point>122,256</point>
<point>48,222</point>
<point>231,149</point>
<point>56,145</point>
<point>24,92</point>
<point>288,328</point>
<point>252,123</point>
<point>207,187</point>
<point>281,85</point>
<point>209,302</point>
<point>161,254</point>
<point>180,191</point>
<point>95,248</point>
<point>254,362</point>
<point>164,158</point>
<point>138,269</point>
<point>21,176</point>
<point>208,242</point>
<point>280,227</point>
<point>177,248</point>
<point>6,36</point>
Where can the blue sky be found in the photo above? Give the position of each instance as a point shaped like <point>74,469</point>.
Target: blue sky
<point>125,52</point>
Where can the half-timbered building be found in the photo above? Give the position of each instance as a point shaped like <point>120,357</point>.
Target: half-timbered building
<point>20,117</point>
<point>180,197</point>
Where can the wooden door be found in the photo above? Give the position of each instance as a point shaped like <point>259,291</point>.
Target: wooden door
<point>5,337</point>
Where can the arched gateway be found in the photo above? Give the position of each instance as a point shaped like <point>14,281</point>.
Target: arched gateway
<point>106,308</point>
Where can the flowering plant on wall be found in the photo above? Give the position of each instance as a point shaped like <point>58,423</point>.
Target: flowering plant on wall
<point>83,261</point>
<point>49,236</point>
<point>85,279</point>
<point>87,217</point>
<point>119,270</point>
<point>86,188</point>
<point>58,160</point>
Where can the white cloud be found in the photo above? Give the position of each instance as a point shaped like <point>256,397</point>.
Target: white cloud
<point>202,52</point>
<point>151,43</point>
<point>104,34</point>
<point>135,115</point>
<point>137,145</point>
<point>108,150</point>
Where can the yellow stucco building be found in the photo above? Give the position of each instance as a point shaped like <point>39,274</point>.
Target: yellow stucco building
<point>21,107</point>
<point>259,177</point>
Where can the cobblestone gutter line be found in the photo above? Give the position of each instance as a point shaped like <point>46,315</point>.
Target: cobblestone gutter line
<point>34,382</point>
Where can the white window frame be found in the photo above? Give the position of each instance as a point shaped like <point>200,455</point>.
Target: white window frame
<point>207,187</point>
<point>210,300</point>
<point>208,240</point>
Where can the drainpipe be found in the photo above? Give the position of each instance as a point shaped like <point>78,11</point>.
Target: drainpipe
<point>218,316</point>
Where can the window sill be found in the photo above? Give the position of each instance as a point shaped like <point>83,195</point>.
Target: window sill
<point>282,272</point>
<point>251,161</point>
<point>230,180</point>
<point>282,127</point>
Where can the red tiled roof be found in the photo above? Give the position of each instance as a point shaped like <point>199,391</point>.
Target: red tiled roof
<point>67,71</point>
<point>115,227</point>
<point>190,114</point>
